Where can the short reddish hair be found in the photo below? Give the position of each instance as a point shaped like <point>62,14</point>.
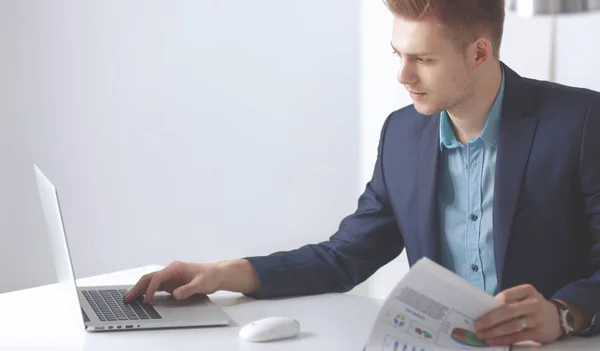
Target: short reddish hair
<point>465,19</point>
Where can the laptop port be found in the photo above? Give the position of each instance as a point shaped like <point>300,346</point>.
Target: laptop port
<point>129,326</point>
<point>110,327</point>
<point>118,327</point>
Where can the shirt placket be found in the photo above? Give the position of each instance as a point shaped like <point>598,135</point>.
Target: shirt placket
<point>474,162</point>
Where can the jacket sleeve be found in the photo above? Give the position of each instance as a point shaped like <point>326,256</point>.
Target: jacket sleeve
<point>586,292</point>
<point>365,241</point>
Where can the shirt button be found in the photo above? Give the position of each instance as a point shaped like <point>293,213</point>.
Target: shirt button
<point>474,268</point>
<point>474,217</point>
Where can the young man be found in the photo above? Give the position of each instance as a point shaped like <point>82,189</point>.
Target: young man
<point>495,176</point>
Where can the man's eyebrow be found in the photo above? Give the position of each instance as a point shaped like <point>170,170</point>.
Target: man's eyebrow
<point>413,54</point>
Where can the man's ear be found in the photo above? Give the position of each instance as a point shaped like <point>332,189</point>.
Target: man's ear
<point>482,51</point>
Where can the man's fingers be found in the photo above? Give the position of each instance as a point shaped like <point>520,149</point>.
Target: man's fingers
<point>522,296</point>
<point>139,287</point>
<point>154,285</point>
<point>509,327</point>
<point>508,312</point>
<point>187,290</point>
<point>516,293</point>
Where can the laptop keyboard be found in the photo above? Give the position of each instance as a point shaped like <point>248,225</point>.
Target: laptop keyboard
<point>109,306</point>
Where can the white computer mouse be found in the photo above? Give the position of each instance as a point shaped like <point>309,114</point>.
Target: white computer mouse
<point>270,328</point>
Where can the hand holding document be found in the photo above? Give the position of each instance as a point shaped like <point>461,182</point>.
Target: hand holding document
<point>431,309</point>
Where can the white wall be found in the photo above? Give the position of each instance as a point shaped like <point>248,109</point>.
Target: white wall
<point>178,130</point>
<point>23,258</point>
<point>578,51</point>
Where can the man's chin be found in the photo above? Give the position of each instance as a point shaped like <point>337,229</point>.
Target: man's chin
<point>425,109</point>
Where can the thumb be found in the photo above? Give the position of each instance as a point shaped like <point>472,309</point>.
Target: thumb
<point>187,290</point>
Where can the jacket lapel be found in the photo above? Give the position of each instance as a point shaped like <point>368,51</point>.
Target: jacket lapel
<point>517,128</point>
<point>427,190</point>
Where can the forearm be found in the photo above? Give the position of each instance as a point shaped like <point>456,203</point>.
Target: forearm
<point>311,269</point>
<point>237,276</point>
<point>336,265</point>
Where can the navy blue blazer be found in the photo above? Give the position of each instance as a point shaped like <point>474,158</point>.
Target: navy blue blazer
<point>546,204</point>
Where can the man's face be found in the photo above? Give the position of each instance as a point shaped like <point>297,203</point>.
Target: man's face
<point>432,69</point>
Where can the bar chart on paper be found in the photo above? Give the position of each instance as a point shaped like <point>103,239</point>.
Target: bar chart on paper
<point>393,344</point>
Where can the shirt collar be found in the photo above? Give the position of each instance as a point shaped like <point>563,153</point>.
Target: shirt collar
<point>490,129</point>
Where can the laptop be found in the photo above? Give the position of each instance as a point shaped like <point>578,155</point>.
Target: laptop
<point>101,308</point>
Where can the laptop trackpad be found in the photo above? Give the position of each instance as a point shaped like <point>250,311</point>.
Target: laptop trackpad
<point>198,308</point>
<point>162,300</point>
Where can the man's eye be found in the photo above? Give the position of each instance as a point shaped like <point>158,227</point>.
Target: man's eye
<point>423,60</point>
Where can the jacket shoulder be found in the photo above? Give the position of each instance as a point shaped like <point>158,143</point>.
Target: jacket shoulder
<point>552,93</point>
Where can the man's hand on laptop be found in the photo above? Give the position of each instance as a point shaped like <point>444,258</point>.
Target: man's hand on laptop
<point>182,280</point>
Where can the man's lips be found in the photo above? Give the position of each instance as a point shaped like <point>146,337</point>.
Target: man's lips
<point>415,95</point>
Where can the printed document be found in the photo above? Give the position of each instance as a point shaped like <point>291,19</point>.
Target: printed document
<point>431,309</point>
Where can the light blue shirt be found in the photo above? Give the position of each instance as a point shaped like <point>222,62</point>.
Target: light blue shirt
<point>466,199</point>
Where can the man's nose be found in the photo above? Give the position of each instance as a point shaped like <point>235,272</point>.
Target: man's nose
<point>406,75</point>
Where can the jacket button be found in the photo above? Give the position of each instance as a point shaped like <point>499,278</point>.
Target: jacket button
<point>474,217</point>
<point>474,268</point>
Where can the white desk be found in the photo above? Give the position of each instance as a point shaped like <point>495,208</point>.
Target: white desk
<point>328,322</point>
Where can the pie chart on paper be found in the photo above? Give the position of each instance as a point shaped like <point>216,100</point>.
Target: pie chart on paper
<point>466,337</point>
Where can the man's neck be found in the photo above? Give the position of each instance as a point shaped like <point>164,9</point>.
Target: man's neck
<point>469,117</point>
